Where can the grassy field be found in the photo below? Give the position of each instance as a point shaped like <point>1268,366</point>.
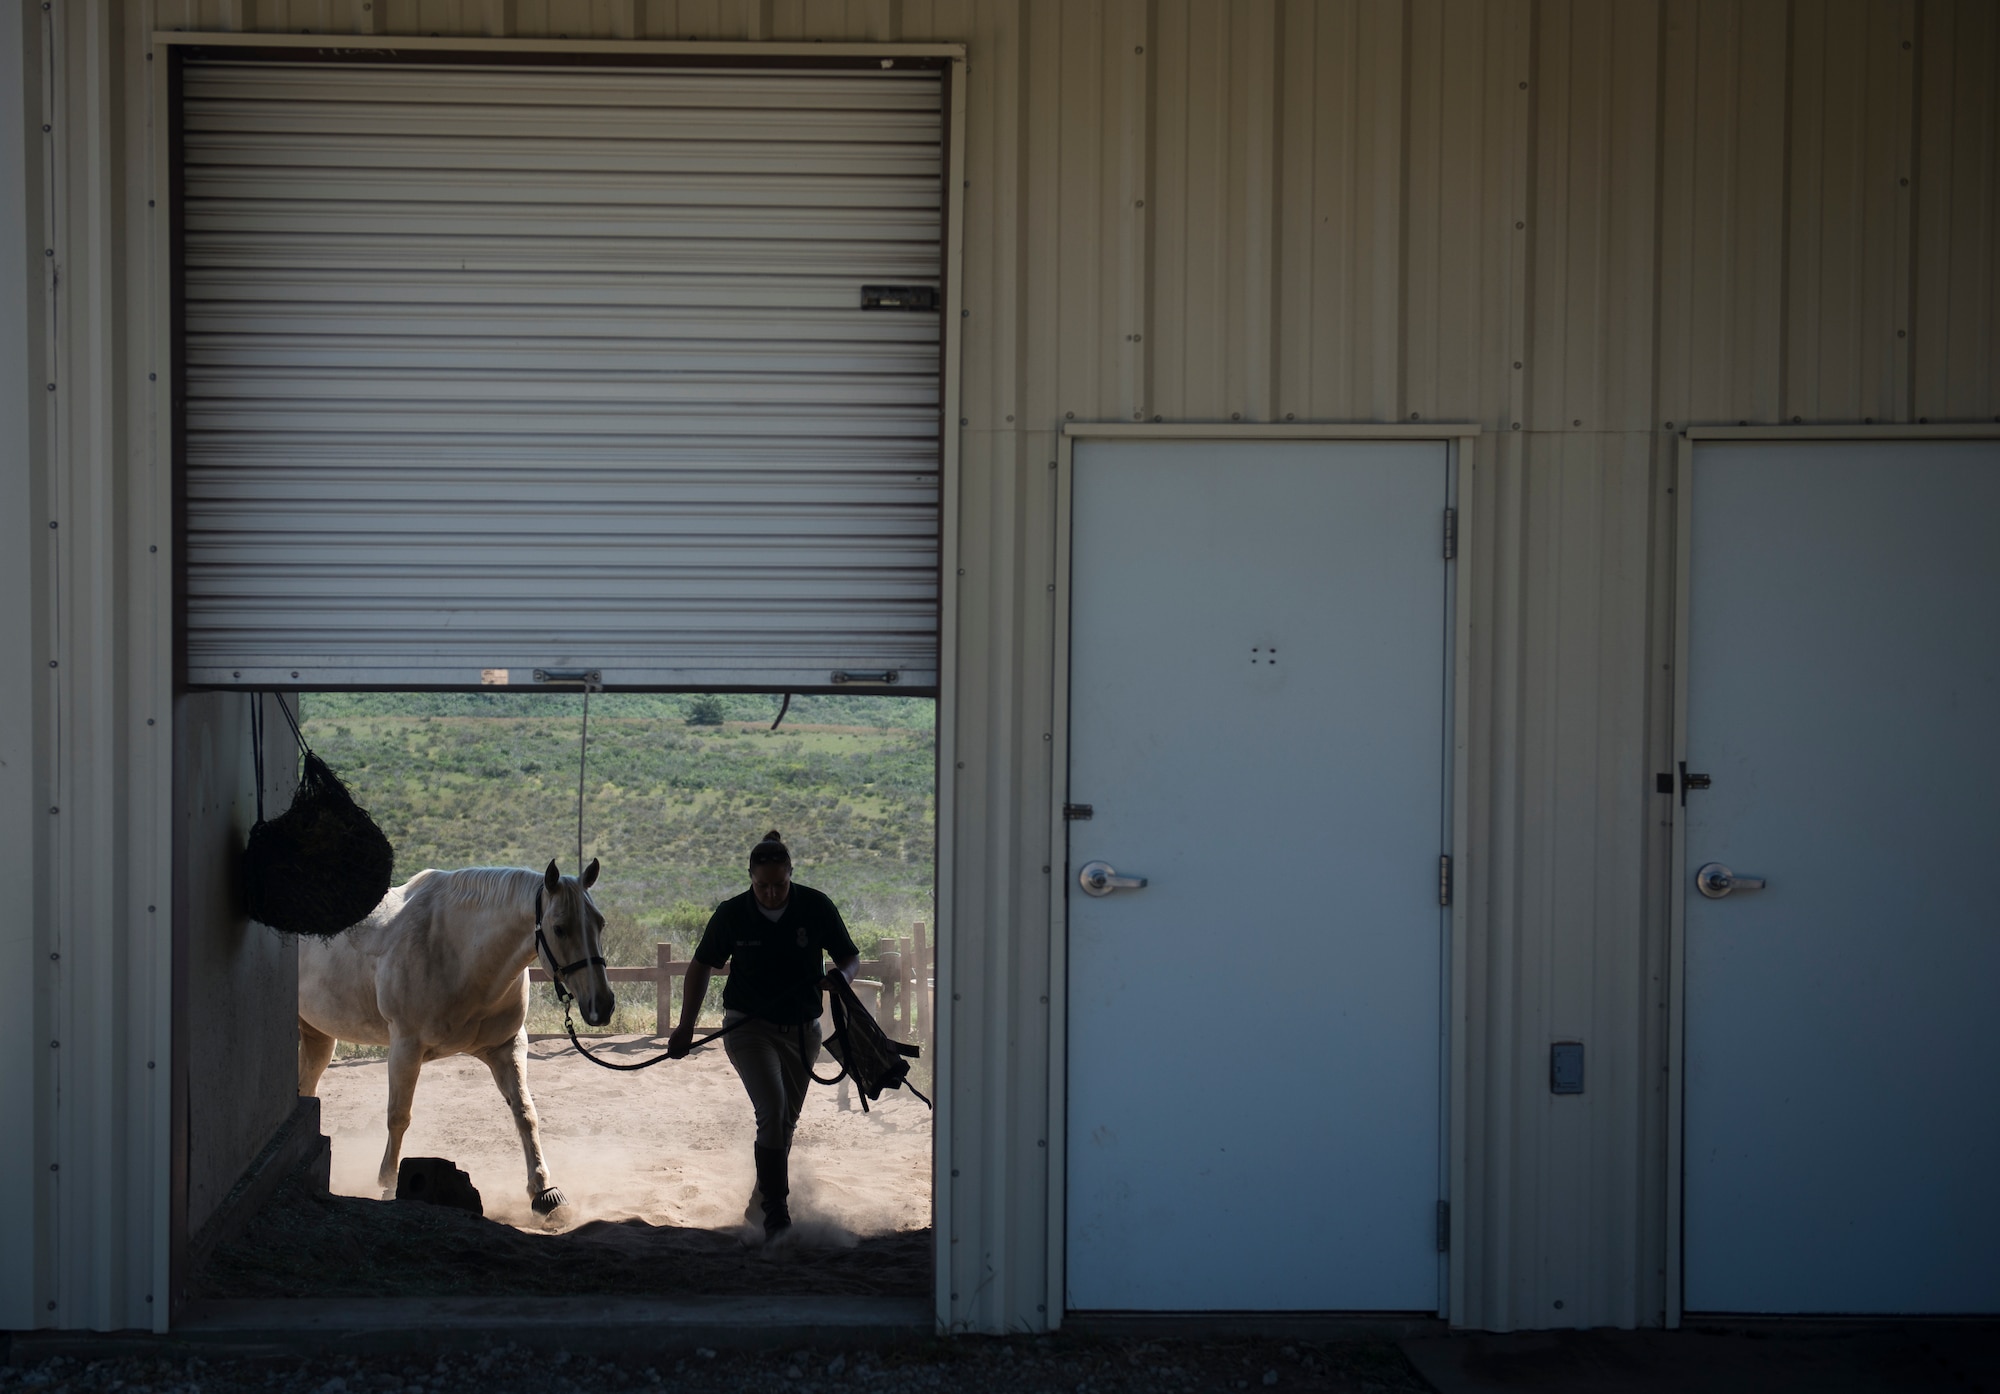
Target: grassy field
<point>671,809</point>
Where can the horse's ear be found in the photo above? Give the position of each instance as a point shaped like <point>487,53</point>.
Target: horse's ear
<point>553,877</point>
<point>590,874</point>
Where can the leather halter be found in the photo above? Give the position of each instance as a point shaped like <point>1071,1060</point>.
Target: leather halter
<point>548,958</point>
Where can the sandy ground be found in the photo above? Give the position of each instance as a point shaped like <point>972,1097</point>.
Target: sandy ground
<point>666,1146</point>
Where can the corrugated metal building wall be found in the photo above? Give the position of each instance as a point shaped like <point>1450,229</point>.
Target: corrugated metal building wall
<point>1580,225</point>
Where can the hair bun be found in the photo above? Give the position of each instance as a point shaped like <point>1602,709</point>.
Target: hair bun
<point>772,836</point>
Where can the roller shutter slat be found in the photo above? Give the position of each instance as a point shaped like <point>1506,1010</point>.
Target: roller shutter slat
<point>492,368</point>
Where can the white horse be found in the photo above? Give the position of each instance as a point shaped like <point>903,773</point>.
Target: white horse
<point>440,968</point>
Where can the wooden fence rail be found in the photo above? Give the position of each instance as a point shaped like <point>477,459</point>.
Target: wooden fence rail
<point>897,986</point>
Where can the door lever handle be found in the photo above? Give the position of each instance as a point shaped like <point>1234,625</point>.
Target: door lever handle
<point>1716,881</point>
<point>1097,878</point>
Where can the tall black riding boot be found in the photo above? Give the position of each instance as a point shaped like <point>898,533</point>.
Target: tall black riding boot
<point>774,1183</point>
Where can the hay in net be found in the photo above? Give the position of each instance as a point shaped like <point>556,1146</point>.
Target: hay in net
<point>320,866</point>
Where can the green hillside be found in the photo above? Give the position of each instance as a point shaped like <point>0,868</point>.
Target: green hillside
<point>670,808</point>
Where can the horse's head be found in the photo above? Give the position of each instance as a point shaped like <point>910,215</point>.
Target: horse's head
<point>575,933</point>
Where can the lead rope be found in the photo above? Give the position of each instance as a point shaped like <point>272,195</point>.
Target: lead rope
<point>556,976</point>
<point>582,761</point>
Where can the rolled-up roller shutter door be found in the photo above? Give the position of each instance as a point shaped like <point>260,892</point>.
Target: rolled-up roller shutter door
<point>490,369</point>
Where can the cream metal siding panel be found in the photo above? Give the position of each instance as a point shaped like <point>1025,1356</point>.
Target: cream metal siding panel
<point>1397,155</point>
<point>1957,238</point>
<point>1592,218</point>
<point>24,822</point>
<point>1849,263</point>
<point>493,368</point>
<point>1722,272</point>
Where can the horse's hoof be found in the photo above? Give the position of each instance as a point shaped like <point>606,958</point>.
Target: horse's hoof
<point>549,1201</point>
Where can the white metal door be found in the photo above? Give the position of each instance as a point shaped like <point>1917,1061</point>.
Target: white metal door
<point>492,368</point>
<point>1842,1085</point>
<point>1257,722</point>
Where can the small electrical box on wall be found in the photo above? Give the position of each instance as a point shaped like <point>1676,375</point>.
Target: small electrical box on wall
<point>1566,1067</point>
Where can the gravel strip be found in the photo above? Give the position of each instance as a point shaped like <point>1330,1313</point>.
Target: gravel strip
<point>1033,1365</point>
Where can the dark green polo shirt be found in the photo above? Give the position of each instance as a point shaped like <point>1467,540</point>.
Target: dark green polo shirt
<point>774,965</point>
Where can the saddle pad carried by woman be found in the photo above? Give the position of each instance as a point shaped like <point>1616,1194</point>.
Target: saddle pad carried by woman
<point>866,1054</point>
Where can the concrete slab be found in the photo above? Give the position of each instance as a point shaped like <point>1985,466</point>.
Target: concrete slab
<point>1903,1358</point>
<point>607,1326</point>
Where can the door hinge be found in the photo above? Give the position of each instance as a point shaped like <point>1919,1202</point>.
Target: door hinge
<point>1450,534</point>
<point>1444,1227</point>
<point>1077,812</point>
<point>1444,880</point>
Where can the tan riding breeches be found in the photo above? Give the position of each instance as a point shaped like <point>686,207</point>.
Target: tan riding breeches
<point>775,1072</point>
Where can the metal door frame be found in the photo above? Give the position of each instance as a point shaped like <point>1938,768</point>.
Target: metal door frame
<point>1689,440</point>
<point>1459,439</point>
<point>168,1220</point>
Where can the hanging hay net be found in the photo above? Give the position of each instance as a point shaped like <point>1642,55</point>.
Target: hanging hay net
<point>321,865</point>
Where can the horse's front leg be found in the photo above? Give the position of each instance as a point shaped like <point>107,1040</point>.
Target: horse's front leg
<point>509,1063</point>
<point>406,1058</point>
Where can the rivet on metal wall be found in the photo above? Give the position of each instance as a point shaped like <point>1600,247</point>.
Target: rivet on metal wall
<point>152,377</point>
<point>1577,422</point>
<point>154,548</point>
<point>1899,334</point>
<point>1517,425</point>
<point>1236,416</point>
<point>52,663</point>
<point>1141,48</point>
<point>1069,416</point>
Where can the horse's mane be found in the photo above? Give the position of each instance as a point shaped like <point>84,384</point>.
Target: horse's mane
<point>474,888</point>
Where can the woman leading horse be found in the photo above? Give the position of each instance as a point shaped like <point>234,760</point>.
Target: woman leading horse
<point>772,938</point>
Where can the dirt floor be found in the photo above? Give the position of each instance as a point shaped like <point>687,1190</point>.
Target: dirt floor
<point>656,1167</point>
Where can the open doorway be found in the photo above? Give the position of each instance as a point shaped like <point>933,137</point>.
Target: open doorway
<point>656,1164</point>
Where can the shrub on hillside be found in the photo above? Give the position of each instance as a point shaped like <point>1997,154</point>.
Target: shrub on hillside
<point>706,710</point>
